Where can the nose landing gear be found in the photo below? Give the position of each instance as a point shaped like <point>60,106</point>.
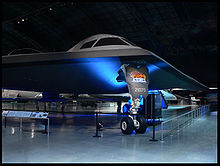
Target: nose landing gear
<point>137,79</point>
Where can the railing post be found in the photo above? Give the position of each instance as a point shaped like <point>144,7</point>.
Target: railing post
<point>97,123</point>
<point>48,126</point>
<point>183,122</point>
<point>200,111</point>
<point>197,113</point>
<point>153,139</point>
<point>161,139</point>
<point>171,128</point>
<point>188,118</point>
<point>178,125</point>
<point>20,126</point>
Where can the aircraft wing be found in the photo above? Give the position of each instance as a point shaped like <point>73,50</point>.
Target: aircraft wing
<point>162,74</point>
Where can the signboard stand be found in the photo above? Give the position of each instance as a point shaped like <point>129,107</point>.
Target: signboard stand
<point>25,115</point>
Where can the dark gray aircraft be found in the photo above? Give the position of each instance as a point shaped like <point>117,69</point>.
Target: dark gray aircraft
<point>100,64</point>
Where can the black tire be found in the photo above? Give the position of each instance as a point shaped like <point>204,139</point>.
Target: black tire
<point>143,125</point>
<point>127,125</point>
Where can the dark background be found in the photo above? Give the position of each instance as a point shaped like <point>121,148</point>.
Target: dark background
<point>182,33</point>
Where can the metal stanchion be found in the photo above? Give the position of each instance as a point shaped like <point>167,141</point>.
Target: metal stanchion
<point>20,126</point>
<point>5,121</point>
<point>48,127</point>
<point>183,122</point>
<point>97,123</point>
<point>171,128</point>
<point>188,118</point>
<point>161,139</point>
<point>45,125</point>
<point>196,113</point>
<point>153,139</point>
<point>178,125</point>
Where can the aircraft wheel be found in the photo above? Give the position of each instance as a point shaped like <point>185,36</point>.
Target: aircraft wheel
<point>142,125</point>
<point>127,125</point>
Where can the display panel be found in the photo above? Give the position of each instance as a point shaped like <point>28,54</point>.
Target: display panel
<point>39,114</point>
<point>25,114</point>
<point>12,113</point>
<point>4,113</point>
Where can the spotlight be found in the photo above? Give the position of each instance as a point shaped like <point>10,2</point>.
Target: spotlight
<point>18,22</point>
<point>22,20</point>
<point>51,9</point>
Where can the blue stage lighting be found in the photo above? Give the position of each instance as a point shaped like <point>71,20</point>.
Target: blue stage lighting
<point>107,69</point>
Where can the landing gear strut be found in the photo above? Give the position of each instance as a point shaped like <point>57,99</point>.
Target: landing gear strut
<point>137,79</point>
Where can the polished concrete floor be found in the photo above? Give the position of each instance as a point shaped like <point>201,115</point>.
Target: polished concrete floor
<point>71,140</point>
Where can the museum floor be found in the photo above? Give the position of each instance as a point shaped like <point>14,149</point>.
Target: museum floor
<point>71,141</point>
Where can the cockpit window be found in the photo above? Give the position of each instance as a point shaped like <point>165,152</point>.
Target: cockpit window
<point>88,44</point>
<point>110,41</point>
<point>129,42</point>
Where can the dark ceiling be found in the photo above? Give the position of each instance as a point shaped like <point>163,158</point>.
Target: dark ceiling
<point>182,33</point>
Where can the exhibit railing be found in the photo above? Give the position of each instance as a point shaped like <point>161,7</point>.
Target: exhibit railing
<point>57,107</point>
<point>174,125</point>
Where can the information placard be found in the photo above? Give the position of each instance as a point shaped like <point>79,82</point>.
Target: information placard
<point>12,113</point>
<point>19,113</point>
<point>26,114</point>
<point>4,113</point>
<point>39,114</point>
